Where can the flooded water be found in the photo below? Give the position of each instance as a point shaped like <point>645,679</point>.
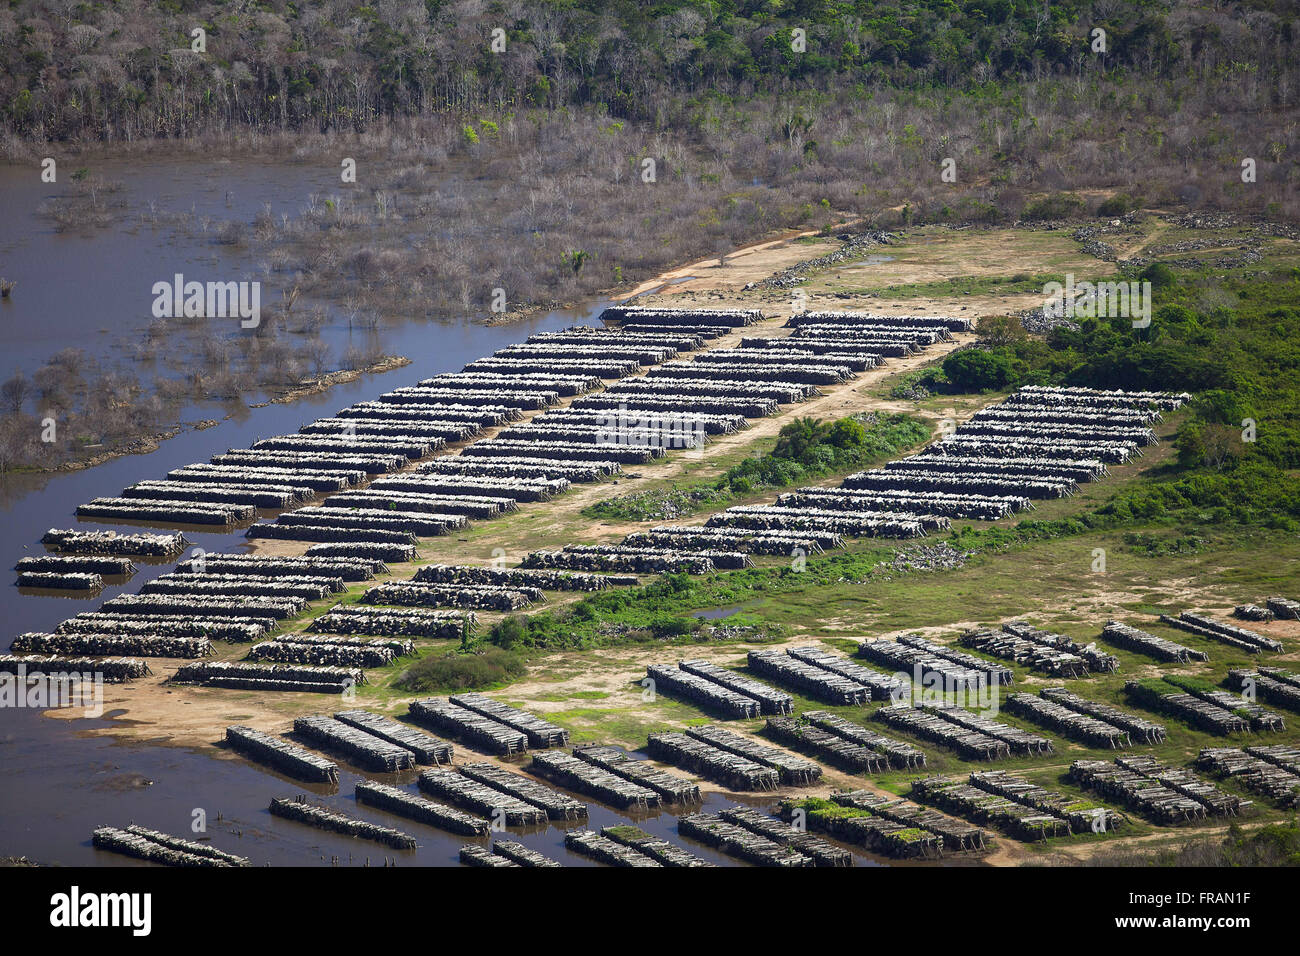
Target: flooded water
<point>90,289</point>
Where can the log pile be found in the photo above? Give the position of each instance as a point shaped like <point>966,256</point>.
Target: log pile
<point>275,566</point>
<point>1168,698</point>
<point>1021,742</point>
<point>364,749</point>
<point>409,622</point>
<point>332,534</point>
<point>377,551</point>
<point>61,580</point>
<point>1238,637</point>
<point>1284,608</point>
<point>477,597</point>
<point>494,804</point>
<point>970,744</point>
<point>1267,684</point>
<point>283,756</point>
<point>793,771</point>
<point>323,818</point>
<point>111,645</point>
<point>926,668</point>
<point>557,805</point>
<point>872,524</point>
<point>499,468</point>
<point>414,807</point>
<point>832,747</point>
<point>702,691</point>
<point>467,506</point>
<point>521,855</point>
<point>734,772</point>
<point>223,585</point>
<point>110,542</point>
<point>1097,660</point>
<point>1126,636</point>
<point>112,670</point>
<point>1137,792</point>
<point>1015,819</point>
<point>992,673</point>
<point>144,844</point>
<point>954,833</point>
<point>864,828</point>
<point>771,700</point>
<point>711,830</point>
<point>599,557</point>
<point>589,778</point>
<point>203,605</point>
<point>975,507</point>
<point>510,577</point>
<point>105,565</point>
<point>670,787</point>
<point>666,853</point>
<point>427,748</point>
<point>736,539</point>
<point>1137,727</point>
<point>541,733</point>
<point>1008,647</point>
<point>814,681</point>
<point>397,646</point>
<point>474,855</point>
<point>488,734</point>
<point>257,495</point>
<point>782,834</point>
<point>1253,612</point>
<point>165,512</point>
<point>234,630</point>
<point>1275,783</point>
<point>376,519</point>
<point>602,848</point>
<point>316,481</point>
<point>882,686</point>
<point>373,462</point>
<point>1082,816</point>
<point>1217,802</point>
<point>278,677</point>
<point>1076,726</point>
<point>1260,719</point>
<point>901,756</point>
<point>283,651</point>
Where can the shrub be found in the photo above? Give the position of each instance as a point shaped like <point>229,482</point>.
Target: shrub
<point>459,671</point>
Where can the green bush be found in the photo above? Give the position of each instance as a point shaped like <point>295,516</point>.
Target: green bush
<point>459,671</point>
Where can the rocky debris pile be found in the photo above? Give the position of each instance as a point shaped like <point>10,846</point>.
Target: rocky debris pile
<point>853,246</point>
<point>926,557</point>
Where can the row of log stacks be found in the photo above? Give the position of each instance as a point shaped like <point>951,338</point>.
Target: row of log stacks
<point>500,467</point>
<point>473,855</point>
<point>971,745</point>
<point>990,446</point>
<point>353,534</point>
<point>1015,819</point>
<point>901,756</point>
<point>403,803</point>
<point>274,566</point>
<point>477,597</point>
<point>1136,726</point>
<point>974,507</point>
<point>882,686</point>
<point>521,855</point>
<point>1137,792</point>
<point>809,738</point>
<point>1021,742</point>
<point>1069,414</point>
<point>362,748</point>
<point>61,580</point>
<point>1253,612</point>
<point>633,420</point>
<point>368,549</point>
<point>778,831</point>
<point>324,480</point>
<point>909,475</point>
<point>300,809</point>
<point>1275,783</point>
<point>810,679</point>
<point>283,756</point>
<point>541,733</point>
<point>1082,816</point>
<point>372,462</point>
<point>204,605</point>
<point>670,787</point>
<point>257,495</point>
<point>1217,802</point>
<point>240,585</point>
<point>468,793</point>
<point>111,645</point>
<point>467,506</point>
<point>934,458</point>
<point>416,522</point>
<point>1260,719</point>
<point>427,748</point>
<point>284,651</point>
<point>926,669</point>
<point>529,398</point>
<point>860,524</point>
<point>793,771</point>
<point>713,389</point>
<point>175,512</point>
<point>565,450</point>
<point>865,828</point>
<point>67,541</point>
<point>598,557</point>
<point>771,700</point>
<point>1096,659</point>
<point>737,539</point>
<point>735,772</point>
<point>1269,684</point>
<point>728,405</point>
<point>510,577</point>
<point>399,646</point>
<point>955,834</point>
<point>603,849</point>
<point>106,565</point>
<point>1238,637</point>
<point>144,844</point>
<point>707,693</point>
<point>411,447</point>
<point>1134,639</point>
<point>486,415</point>
<point>630,317</point>
<point>233,630</point>
<point>1284,608</point>
<point>516,486</point>
<point>557,805</point>
<point>1075,395</point>
<point>112,670</point>
<point>812,317</point>
<point>740,842</point>
<point>411,622</point>
<point>1076,726</point>
<point>489,735</point>
<point>664,852</point>
<point>384,426</point>
<point>1167,698</point>
<point>243,675</point>
<point>593,780</point>
<point>1008,647</point>
<point>993,673</point>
